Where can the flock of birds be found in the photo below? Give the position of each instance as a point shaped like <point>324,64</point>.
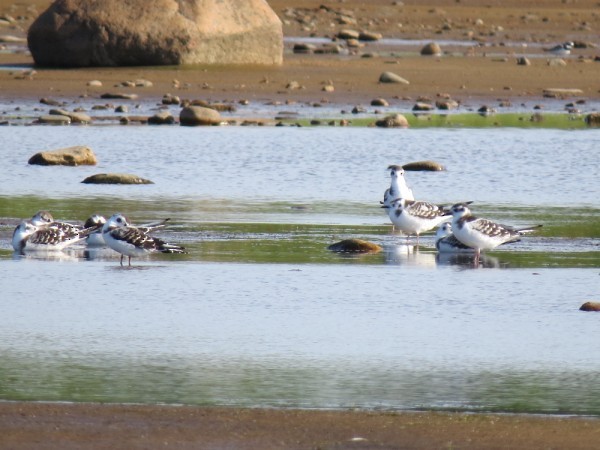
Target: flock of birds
<point>44,233</point>
<point>459,230</point>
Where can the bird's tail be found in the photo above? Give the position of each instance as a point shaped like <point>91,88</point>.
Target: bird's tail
<point>525,230</point>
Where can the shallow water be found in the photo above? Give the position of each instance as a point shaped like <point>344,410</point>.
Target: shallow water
<point>259,313</point>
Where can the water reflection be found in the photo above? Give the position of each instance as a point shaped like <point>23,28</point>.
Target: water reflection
<point>469,261</point>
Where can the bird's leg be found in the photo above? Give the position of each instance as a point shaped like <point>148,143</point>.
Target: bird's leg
<point>130,261</point>
<point>121,260</point>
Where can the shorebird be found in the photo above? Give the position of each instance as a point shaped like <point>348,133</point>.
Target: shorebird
<point>482,234</point>
<point>43,219</point>
<point>133,241</point>
<point>28,236</point>
<point>416,217</point>
<point>398,187</point>
<point>446,242</point>
<point>563,49</point>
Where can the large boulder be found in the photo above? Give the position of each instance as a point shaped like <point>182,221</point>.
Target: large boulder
<point>71,156</point>
<point>79,33</point>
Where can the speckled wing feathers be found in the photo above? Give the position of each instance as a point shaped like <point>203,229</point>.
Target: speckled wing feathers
<point>424,210</point>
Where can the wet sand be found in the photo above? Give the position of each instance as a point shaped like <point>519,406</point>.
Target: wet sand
<point>487,74</point>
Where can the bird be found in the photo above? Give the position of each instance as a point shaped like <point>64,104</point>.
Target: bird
<point>446,242</point>
<point>563,49</point>
<point>482,234</point>
<point>398,187</point>
<point>44,219</point>
<point>131,241</point>
<point>416,217</point>
<point>96,239</point>
<point>28,236</point>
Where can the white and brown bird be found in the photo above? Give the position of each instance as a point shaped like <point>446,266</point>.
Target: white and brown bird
<point>132,241</point>
<point>30,237</point>
<point>483,234</point>
<point>416,217</point>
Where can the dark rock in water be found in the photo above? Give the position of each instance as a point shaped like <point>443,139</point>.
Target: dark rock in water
<point>354,246</point>
<point>71,156</point>
<point>115,178</point>
<point>393,121</point>
<point>590,306</point>
<point>593,119</point>
<point>161,118</point>
<point>80,33</point>
<point>430,166</point>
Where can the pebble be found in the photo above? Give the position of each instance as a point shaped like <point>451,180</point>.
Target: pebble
<point>391,77</point>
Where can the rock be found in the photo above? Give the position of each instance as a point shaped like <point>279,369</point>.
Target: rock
<point>369,36</point>
<point>75,117</point>
<point>304,48</point>
<point>354,246</point>
<point>486,110</point>
<point>391,77</point>
<point>393,121</point>
<point>161,118</point>
<point>199,115</point>
<point>446,104</point>
<point>590,306</point>
<point>169,99</point>
<point>431,49</point>
<point>50,102</point>
<point>593,119</point>
<point>71,156</point>
<point>557,62</point>
<point>523,61</point>
<point>54,119</point>
<point>122,109</point>
<point>561,93</point>
<point>421,106</point>
<point>115,178</point>
<point>379,102</point>
<point>430,166</point>
<point>94,83</point>
<point>80,33</point>
<point>348,34</point>
<point>119,96</point>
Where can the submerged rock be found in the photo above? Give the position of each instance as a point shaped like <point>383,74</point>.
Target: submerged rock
<point>590,306</point>
<point>115,178</point>
<point>72,156</point>
<point>354,246</point>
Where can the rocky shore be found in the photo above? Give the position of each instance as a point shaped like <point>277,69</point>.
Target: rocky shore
<point>481,46</point>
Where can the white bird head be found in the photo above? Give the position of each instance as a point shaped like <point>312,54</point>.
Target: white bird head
<point>396,171</point>
<point>41,218</point>
<point>116,221</point>
<point>461,209</point>
<point>443,231</point>
<point>94,220</point>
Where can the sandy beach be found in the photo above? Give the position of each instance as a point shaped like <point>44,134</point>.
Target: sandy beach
<point>487,74</point>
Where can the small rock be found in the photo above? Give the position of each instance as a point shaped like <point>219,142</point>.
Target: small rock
<point>354,246</point>
<point>557,62</point>
<point>121,109</point>
<point>161,118</point>
<point>431,49</point>
<point>50,102</point>
<point>590,306</point>
<point>446,104</point>
<point>420,106</point>
<point>379,102</point>
<point>393,121</point>
<point>199,115</point>
<point>76,117</point>
<point>391,77</point>
<point>486,110</point>
<point>593,119</point>
<point>71,156</point>
<point>304,48</point>
<point>169,99</point>
<point>328,88</point>
<point>369,36</point>
<point>119,95</point>
<point>94,83</point>
<point>430,166</point>
<point>54,119</point>
<point>522,61</point>
<point>561,93</point>
<point>348,34</point>
<point>115,178</point>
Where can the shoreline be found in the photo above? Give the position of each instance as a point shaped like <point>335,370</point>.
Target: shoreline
<point>39,425</point>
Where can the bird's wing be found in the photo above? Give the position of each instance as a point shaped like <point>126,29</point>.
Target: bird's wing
<point>492,228</point>
<point>425,210</point>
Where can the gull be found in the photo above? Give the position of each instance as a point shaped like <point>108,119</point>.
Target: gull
<point>416,217</point>
<point>28,236</point>
<point>130,241</point>
<point>482,234</point>
<point>398,187</point>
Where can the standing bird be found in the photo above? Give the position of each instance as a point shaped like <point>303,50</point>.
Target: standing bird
<point>398,187</point>
<point>28,236</point>
<point>415,217</point>
<point>132,241</point>
<point>482,234</point>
